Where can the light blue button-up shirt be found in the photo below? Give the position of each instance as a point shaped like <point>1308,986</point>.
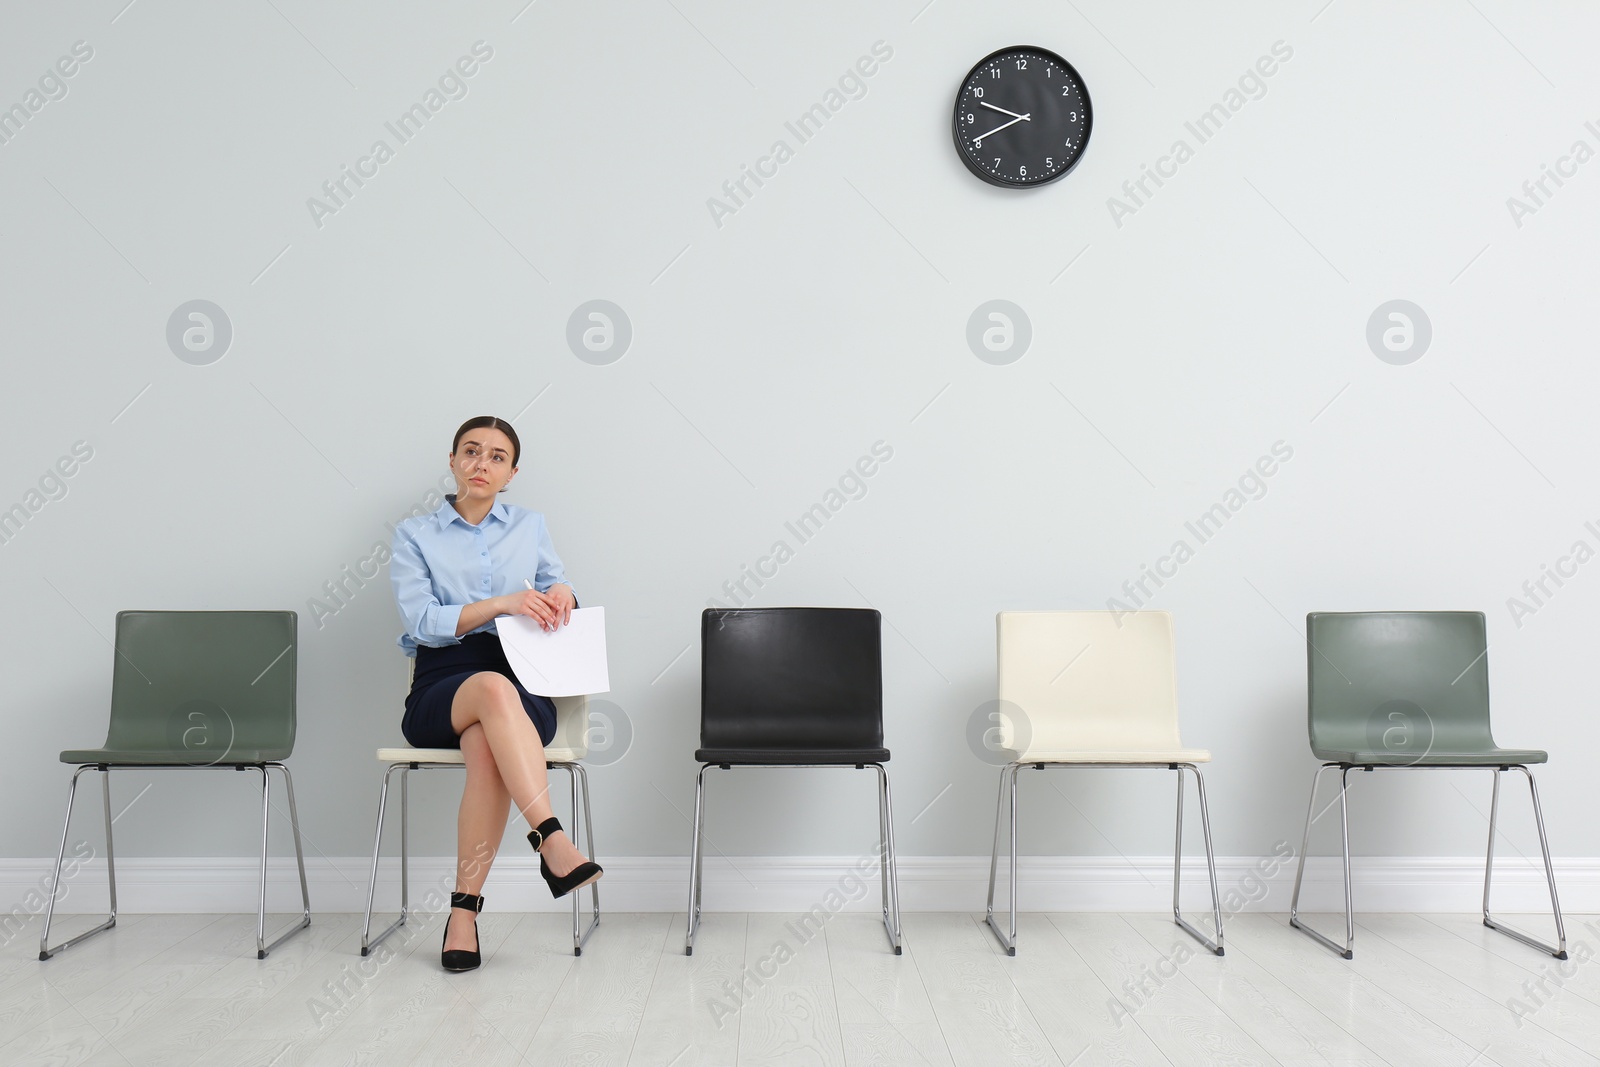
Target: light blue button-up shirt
<point>440,563</point>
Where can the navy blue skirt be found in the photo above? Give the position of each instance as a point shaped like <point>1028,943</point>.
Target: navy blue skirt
<point>440,672</point>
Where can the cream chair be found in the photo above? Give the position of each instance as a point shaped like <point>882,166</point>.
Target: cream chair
<point>565,751</point>
<point>1092,689</point>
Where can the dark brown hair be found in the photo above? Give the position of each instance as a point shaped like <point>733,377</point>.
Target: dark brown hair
<point>489,422</point>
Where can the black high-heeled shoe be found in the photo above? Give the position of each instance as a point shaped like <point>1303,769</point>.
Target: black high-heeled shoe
<point>460,959</point>
<point>578,877</point>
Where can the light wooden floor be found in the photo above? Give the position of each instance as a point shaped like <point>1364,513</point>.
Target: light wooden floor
<point>1423,989</point>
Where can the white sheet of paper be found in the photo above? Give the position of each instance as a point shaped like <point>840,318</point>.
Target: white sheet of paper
<point>567,662</point>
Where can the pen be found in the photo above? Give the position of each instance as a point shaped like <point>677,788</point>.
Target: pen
<point>541,625</point>
<point>530,586</point>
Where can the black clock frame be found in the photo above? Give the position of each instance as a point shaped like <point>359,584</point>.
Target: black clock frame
<point>955,117</point>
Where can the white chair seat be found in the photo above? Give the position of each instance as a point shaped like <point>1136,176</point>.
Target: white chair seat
<point>1166,755</point>
<point>421,755</point>
<point>453,755</point>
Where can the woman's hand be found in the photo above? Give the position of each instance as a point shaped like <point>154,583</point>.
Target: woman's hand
<point>551,608</point>
<point>559,597</point>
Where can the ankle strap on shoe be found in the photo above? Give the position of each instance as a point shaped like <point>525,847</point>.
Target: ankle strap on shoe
<point>537,836</point>
<point>466,900</point>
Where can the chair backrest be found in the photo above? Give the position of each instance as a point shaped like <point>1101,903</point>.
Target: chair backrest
<point>791,678</point>
<point>1397,681</point>
<point>1087,680</point>
<point>203,682</point>
<point>572,718</point>
<point>572,725</point>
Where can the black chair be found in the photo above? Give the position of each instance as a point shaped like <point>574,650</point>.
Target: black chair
<point>793,687</point>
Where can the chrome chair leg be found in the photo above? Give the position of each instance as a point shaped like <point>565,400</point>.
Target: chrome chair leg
<point>883,869</point>
<point>261,895</point>
<point>583,818</point>
<point>368,942</point>
<point>1559,950</point>
<point>888,871</point>
<point>994,851</point>
<point>1008,777</point>
<point>572,782</point>
<point>1211,863</point>
<point>262,947</point>
<point>695,856</point>
<point>45,951</point>
<point>111,852</point>
<point>886,859</point>
<point>588,829</point>
<point>300,861</point>
<point>1344,950</point>
<point>1344,837</point>
<point>405,840</point>
<point>1015,855</point>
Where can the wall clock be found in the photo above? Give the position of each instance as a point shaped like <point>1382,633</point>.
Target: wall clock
<point>1022,117</point>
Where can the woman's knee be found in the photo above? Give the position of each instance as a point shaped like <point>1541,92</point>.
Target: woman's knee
<point>488,693</point>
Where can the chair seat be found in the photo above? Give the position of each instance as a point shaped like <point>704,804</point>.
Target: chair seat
<point>453,755</point>
<point>1164,755</point>
<point>786,756</point>
<point>180,757</point>
<point>1491,757</point>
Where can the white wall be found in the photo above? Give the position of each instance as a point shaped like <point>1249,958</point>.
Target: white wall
<point>1226,314</point>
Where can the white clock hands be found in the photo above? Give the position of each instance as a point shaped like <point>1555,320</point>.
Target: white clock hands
<point>978,140</point>
<point>1003,111</point>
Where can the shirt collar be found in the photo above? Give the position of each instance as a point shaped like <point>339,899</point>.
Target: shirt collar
<point>447,513</point>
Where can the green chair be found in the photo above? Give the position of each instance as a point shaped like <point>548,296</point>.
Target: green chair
<point>196,689</point>
<point>1407,689</point>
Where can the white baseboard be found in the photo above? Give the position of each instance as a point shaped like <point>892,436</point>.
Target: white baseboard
<point>778,884</point>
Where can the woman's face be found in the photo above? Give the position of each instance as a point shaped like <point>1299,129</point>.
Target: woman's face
<point>482,464</point>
